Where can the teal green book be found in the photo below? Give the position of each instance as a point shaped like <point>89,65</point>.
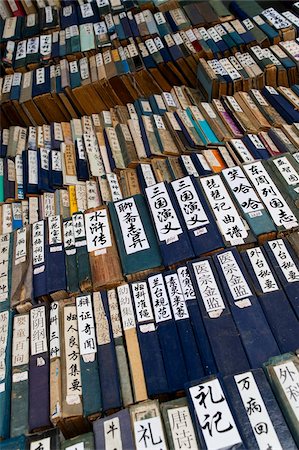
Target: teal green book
<point>135,236</point>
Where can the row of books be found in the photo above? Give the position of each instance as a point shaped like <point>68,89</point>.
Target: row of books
<point>169,223</point>
<point>139,22</point>
<point>130,20</point>
<point>68,362</point>
<point>154,29</point>
<point>72,89</point>
<point>240,410</point>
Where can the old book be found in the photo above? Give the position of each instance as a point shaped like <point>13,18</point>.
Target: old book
<point>137,245</point>
<point>39,260</point>
<point>285,217</point>
<point>146,418</point>
<point>108,370</point>
<point>282,373</point>
<point>71,420</point>
<point>82,257</point>
<point>103,256</point>
<point>245,308</point>
<point>6,320</point>
<point>185,331</point>
<point>84,441</point>
<point>171,234</point>
<point>236,234</point>
<point>132,345</point>
<point>172,352</point>
<point>121,357</point>
<point>92,402</point>
<point>39,370</point>
<point>244,390</point>
<point>71,270</point>
<point>178,424</point>
<point>6,272</point>
<point>48,439</point>
<point>272,299</point>
<point>151,354</point>
<point>285,264</point>
<point>198,405</point>
<point>55,258</point>
<point>22,285</point>
<point>202,229</point>
<point>285,173</point>
<point>121,424</point>
<point>200,334</point>
<point>249,203</point>
<point>218,320</point>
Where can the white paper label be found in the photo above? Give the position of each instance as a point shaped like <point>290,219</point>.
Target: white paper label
<point>181,428</point>
<point>257,413</point>
<point>284,260</point>
<point>207,286</point>
<point>72,355</point>
<point>20,249</point>
<point>54,227</point>
<point>131,226</point>
<point>86,329</point>
<point>54,331</point>
<point>177,299</point>
<point>44,444</point>
<point>149,434</point>
<point>165,217</point>
<point>126,307</point>
<point>228,218</point>
<point>288,378</point>
<point>112,434</point>
<point>271,196</point>
<point>38,243</point>
<point>190,203</point>
<point>234,277</point>
<point>142,302</point>
<point>262,270</point>
<point>4,323</point>
<point>287,170</point>
<point>214,416</point>
<point>38,330</point>
<point>160,299</point>
<point>97,230</point>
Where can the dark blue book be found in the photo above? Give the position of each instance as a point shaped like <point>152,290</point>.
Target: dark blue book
<point>255,333</point>
<point>133,24</point>
<point>55,257</point>
<point>109,376</point>
<point>39,256</point>
<point>30,171</point>
<point>200,334</point>
<point>201,164</point>
<point>281,104</point>
<point>278,311</point>
<point>68,16</point>
<point>151,354</point>
<point>286,266</point>
<point>41,81</point>
<point>172,235</point>
<point>170,344</point>
<point>55,170</point>
<point>190,350</point>
<point>216,423</point>
<point>260,418</point>
<point>255,146</point>
<point>92,402</point>
<point>43,157</point>
<point>39,370</point>
<point>202,229</point>
<point>88,13</point>
<point>224,337</point>
<point>81,160</point>
<point>110,431</point>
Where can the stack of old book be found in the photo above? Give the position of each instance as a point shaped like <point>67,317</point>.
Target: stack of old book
<point>149,225</point>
